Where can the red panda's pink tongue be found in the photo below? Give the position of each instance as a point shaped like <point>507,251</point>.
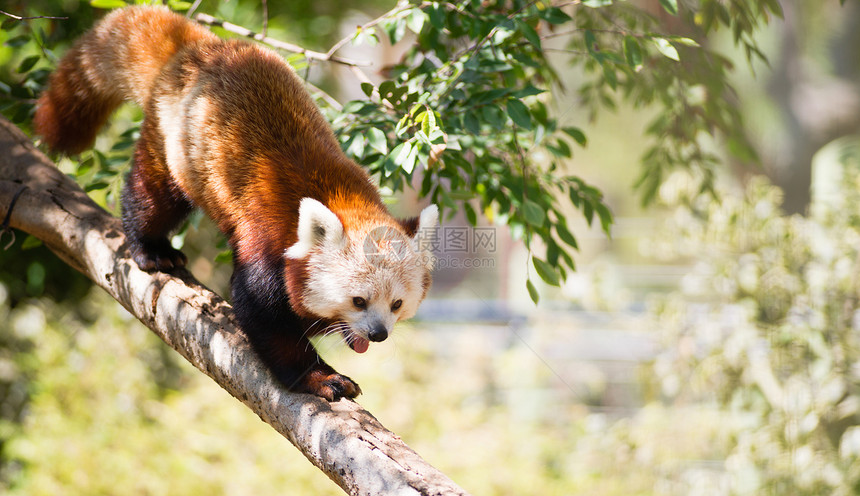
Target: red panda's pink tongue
<point>359,344</point>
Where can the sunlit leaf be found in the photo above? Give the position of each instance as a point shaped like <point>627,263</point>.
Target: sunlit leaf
<point>666,48</point>
<point>376,139</point>
<point>107,4</point>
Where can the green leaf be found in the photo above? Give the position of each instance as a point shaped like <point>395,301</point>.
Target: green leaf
<point>401,153</point>
<point>577,135</point>
<point>563,148</point>
<point>356,146</point>
<point>591,46</point>
<point>610,76</point>
<point>565,235</point>
<point>588,212</point>
<point>533,292</point>
<point>605,217</point>
<point>546,271</point>
<point>367,88</point>
<point>18,41</point>
<point>31,242</point>
<point>107,4</point>
<point>666,48</point>
<point>529,90</point>
<point>96,186</point>
<point>534,213</point>
<point>555,15</point>
<point>365,36</point>
<point>408,164</point>
<point>471,123</point>
<point>530,34</point>
<point>519,113</point>
<point>415,20</point>
<point>179,5</point>
<point>225,256</point>
<point>670,6</point>
<point>84,166</point>
<point>28,64</point>
<point>632,52</point>
<point>377,141</point>
<point>471,216</point>
<point>684,41</point>
<point>428,121</point>
<point>395,29</point>
<point>494,116</point>
<point>437,16</point>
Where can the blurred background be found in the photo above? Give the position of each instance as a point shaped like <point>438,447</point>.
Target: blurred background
<point>708,347</point>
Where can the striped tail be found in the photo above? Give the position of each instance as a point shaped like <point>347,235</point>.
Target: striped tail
<point>118,60</point>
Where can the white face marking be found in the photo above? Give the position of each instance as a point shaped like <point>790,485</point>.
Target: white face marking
<point>380,267</point>
<point>338,277</point>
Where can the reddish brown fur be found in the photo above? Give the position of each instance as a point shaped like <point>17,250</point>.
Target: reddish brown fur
<point>228,128</point>
<point>83,92</point>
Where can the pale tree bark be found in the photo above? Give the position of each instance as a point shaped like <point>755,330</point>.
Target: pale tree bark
<point>342,439</point>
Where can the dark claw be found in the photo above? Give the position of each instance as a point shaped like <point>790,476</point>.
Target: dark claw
<point>331,387</point>
<point>161,257</point>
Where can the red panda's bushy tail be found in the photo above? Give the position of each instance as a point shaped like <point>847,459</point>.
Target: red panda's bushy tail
<point>119,59</point>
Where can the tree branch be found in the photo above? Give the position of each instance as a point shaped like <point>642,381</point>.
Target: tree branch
<point>342,439</point>
<point>283,45</point>
<point>20,18</point>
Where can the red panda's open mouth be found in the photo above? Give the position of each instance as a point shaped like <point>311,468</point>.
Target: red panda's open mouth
<point>356,342</point>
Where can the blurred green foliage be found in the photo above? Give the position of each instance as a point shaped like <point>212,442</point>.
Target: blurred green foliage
<point>769,332</point>
<point>104,407</point>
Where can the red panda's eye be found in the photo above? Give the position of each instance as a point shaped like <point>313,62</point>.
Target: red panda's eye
<point>396,305</point>
<point>359,302</point>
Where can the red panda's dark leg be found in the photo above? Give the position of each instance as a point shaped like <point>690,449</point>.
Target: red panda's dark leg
<point>279,336</point>
<point>152,207</point>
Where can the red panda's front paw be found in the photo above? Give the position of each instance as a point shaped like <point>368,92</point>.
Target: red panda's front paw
<point>331,386</point>
<point>161,257</point>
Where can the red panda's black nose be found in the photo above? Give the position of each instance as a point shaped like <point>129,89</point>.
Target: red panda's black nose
<point>377,333</point>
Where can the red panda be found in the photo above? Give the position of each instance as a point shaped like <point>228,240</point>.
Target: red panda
<point>230,129</point>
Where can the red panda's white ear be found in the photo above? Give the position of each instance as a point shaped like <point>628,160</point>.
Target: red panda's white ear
<point>317,226</point>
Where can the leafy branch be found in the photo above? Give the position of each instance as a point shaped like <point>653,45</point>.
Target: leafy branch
<point>465,114</point>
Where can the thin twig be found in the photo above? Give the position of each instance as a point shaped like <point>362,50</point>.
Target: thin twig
<point>325,96</point>
<point>20,18</point>
<point>283,45</point>
<point>401,6</point>
<point>193,8</point>
<point>565,50</point>
<point>265,18</point>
